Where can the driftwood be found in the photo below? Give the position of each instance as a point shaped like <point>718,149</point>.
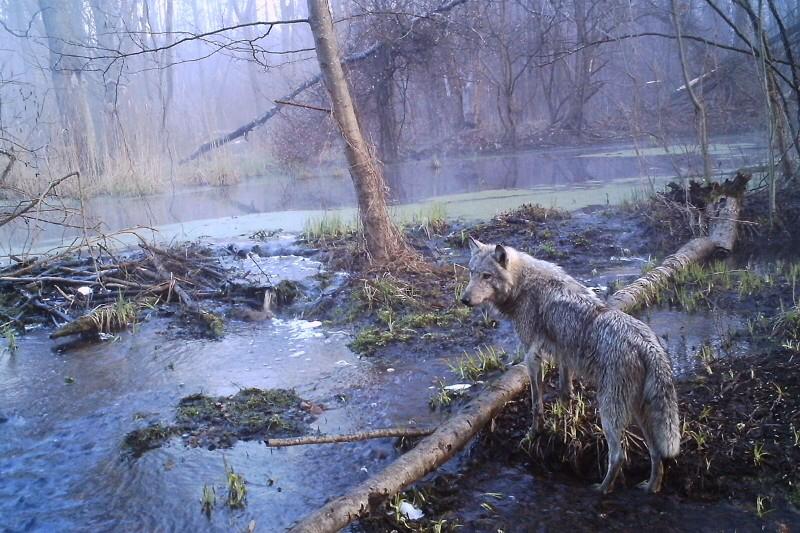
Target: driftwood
<point>352,437</point>
<point>82,324</point>
<point>722,214</point>
<point>455,433</point>
<point>105,291</point>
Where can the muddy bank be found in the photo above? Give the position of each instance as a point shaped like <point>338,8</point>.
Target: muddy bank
<point>739,449</point>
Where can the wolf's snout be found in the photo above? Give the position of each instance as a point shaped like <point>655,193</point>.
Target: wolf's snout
<point>465,301</point>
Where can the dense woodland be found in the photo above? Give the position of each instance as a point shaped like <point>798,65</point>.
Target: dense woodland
<point>126,92</point>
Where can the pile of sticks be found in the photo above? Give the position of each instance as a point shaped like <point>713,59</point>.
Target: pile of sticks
<point>71,290</point>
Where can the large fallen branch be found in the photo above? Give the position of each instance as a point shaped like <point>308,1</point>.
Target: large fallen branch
<point>455,433</point>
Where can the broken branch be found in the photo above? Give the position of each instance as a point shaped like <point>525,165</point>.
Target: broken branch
<point>352,437</point>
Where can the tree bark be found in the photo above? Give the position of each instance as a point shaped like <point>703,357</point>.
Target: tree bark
<point>455,433</point>
<point>352,437</point>
<point>65,27</point>
<point>384,243</point>
<point>387,123</point>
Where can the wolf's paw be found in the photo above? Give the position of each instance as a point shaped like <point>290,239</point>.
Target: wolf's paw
<point>600,489</point>
<point>648,487</point>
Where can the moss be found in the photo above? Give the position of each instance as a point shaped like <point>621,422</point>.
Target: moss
<point>538,213</point>
<point>214,323</point>
<point>369,339</point>
<point>287,292</point>
<point>220,421</point>
<point>141,440</point>
<point>403,328</point>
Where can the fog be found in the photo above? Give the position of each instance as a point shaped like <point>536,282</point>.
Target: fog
<point>160,95</point>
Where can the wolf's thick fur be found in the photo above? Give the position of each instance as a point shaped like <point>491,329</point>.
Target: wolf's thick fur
<point>559,319</point>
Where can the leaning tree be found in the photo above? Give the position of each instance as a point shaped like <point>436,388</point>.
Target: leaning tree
<point>384,242</point>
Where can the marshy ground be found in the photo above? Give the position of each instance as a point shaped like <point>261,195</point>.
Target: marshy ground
<point>738,387</point>
<point>732,326</point>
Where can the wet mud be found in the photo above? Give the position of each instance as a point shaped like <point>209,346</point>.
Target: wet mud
<point>731,327</point>
<point>381,349</point>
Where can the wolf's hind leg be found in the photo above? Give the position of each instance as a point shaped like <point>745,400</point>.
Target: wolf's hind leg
<point>534,364</point>
<point>653,485</point>
<point>612,429</point>
<point>565,383</point>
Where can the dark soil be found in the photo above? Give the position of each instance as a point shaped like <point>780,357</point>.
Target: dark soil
<point>741,443</point>
<point>218,422</point>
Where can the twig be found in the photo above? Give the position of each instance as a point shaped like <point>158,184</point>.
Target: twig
<point>51,279</point>
<point>35,201</point>
<point>304,106</point>
<point>353,437</point>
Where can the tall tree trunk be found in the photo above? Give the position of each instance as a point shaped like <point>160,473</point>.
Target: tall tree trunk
<point>107,23</point>
<point>165,69</point>
<point>384,242</point>
<point>583,65</point>
<point>243,16</point>
<point>64,26</point>
<point>387,123</point>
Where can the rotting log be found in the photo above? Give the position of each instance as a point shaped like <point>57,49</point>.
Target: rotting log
<point>722,215</point>
<point>455,433</point>
<point>351,437</point>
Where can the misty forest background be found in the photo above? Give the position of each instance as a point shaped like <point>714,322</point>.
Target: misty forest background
<point>143,96</point>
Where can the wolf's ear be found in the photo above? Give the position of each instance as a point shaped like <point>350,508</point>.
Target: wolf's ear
<point>474,245</point>
<point>500,255</point>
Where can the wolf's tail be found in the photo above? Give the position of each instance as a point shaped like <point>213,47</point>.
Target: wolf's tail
<point>660,402</point>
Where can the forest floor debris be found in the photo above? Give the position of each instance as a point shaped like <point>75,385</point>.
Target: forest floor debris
<point>99,293</point>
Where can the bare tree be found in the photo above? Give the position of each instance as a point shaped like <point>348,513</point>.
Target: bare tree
<point>384,243</point>
<point>64,25</point>
<point>689,85</point>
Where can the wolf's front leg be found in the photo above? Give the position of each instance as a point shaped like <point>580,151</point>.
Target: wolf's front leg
<point>533,361</point>
<point>565,382</point>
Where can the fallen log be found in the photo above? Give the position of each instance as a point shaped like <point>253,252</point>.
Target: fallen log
<point>455,433</point>
<point>722,214</point>
<point>352,437</point>
<point>82,324</point>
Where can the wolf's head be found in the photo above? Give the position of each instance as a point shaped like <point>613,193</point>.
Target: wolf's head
<point>490,280</point>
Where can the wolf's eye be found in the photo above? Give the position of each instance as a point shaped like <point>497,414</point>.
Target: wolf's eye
<point>486,275</point>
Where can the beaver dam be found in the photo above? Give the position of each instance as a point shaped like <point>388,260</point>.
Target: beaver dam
<point>137,395</point>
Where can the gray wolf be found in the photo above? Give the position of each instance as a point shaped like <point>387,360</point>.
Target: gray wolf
<point>560,320</point>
